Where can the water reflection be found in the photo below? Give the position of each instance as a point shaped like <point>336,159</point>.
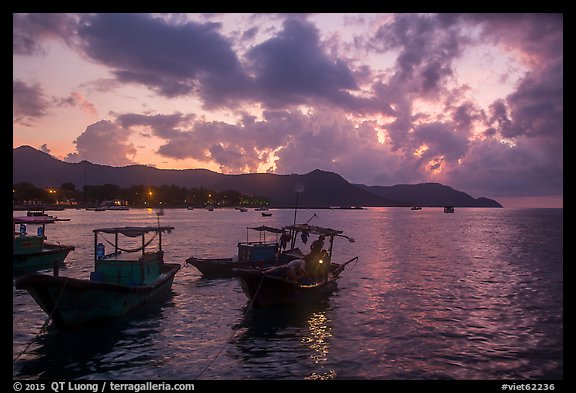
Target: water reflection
<point>317,341</point>
<point>101,347</point>
<point>271,338</point>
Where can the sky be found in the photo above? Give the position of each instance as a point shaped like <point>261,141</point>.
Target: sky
<point>472,101</point>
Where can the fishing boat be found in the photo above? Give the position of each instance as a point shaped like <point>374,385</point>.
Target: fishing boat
<point>37,213</point>
<point>272,286</point>
<point>448,209</point>
<point>117,285</point>
<point>416,208</point>
<point>31,251</point>
<point>259,253</point>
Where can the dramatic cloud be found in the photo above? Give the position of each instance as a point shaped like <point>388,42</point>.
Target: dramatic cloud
<point>104,143</point>
<point>163,126</point>
<point>174,60</point>
<point>474,101</point>
<point>292,68</point>
<point>28,103</point>
<point>427,46</point>
<point>29,30</point>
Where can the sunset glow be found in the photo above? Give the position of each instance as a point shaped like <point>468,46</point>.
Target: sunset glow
<point>474,101</point>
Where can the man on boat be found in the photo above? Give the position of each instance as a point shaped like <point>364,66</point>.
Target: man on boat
<point>315,265</point>
<point>296,271</point>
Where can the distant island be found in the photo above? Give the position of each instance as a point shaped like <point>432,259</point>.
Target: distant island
<point>318,188</point>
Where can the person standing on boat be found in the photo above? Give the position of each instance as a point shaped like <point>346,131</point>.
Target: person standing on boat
<point>316,248</point>
<point>314,267</point>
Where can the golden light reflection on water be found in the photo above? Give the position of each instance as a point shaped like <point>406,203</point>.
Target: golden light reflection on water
<point>318,342</point>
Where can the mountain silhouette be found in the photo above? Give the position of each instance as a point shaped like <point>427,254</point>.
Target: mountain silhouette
<point>430,195</point>
<point>316,189</point>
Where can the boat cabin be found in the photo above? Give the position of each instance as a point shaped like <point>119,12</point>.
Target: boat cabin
<point>261,250</point>
<point>25,242</point>
<point>118,268</point>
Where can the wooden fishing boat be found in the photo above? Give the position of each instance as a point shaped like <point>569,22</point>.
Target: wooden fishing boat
<point>117,285</point>
<point>272,286</point>
<point>259,253</point>
<point>31,251</point>
<point>264,288</point>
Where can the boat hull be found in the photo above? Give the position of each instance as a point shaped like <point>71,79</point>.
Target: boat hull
<point>264,290</point>
<point>225,267</point>
<point>72,302</point>
<point>41,259</point>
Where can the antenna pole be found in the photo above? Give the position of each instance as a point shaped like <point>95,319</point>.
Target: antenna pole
<point>296,207</point>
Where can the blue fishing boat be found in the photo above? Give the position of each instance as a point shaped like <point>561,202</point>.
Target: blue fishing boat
<point>30,250</point>
<point>252,253</point>
<point>117,285</point>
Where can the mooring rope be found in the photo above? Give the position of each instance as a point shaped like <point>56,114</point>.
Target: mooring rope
<point>234,332</point>
<point>45,325</point>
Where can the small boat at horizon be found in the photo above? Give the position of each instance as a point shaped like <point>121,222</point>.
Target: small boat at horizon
<point>448,209</point>
<point>117,285</point>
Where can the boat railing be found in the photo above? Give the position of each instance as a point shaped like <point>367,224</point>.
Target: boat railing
<point>263,242</point>
<point>111,255</point>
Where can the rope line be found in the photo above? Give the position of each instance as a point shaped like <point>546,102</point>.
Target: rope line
<point>45,325</point>
<point>235,331</point>
<point>130,250</point>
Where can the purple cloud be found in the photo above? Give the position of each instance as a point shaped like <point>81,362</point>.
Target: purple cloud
<point>29,30</point>
<point>163,126</point>
<point>174,60</point>
<point>428,44</point>
<point>293,68</point>
<point>520,147</point>
<point>28,103</point>
<point>104,142</point>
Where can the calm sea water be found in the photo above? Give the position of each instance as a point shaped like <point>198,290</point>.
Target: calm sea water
<point>474,295</point>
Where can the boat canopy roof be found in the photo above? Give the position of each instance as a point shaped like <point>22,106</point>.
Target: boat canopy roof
<point>34,220</point>
<point>313,229</point>
<point>135,231</point>
<point>265,228</point>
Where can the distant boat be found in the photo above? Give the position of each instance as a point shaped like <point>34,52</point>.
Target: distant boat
<point>415,208</point>
<point>117,207</point>
<point>266,214</point>
<point>37,213</point>
<point>31,252</point>
<point>117,285</point>
<point>97,208</point>
<point>448,209</point>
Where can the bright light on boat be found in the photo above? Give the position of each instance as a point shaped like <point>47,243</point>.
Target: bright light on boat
<point>320,261</point>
